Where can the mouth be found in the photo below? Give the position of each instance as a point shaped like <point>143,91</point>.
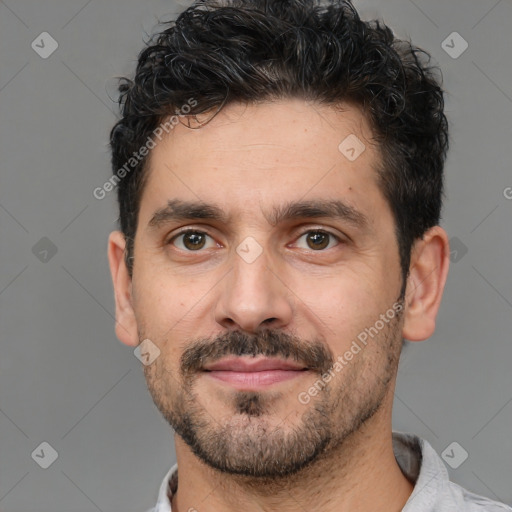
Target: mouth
<point>250,373</point>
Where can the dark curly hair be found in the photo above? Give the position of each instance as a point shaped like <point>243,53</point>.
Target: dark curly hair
<point>223,51</point>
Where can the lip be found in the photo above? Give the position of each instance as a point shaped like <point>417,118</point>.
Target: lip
<point>251,373</point>
<point>253,364</point>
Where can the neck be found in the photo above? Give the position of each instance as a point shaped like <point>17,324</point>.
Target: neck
<point>355,477</point>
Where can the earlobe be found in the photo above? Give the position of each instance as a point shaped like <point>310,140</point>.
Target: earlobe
<point>126,325</point>
<point>430,258</point>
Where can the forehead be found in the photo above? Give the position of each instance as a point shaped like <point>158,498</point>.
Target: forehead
<point>265,153</point>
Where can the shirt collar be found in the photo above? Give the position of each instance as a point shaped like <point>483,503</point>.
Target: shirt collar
<point>417,459</point>
<point>424,468</point>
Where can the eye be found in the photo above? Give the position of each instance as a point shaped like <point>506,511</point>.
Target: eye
<point>191,240</point>
<point>318,239</point>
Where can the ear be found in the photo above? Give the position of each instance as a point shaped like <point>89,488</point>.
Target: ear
<point>430,259</point>
<point>126,325</point>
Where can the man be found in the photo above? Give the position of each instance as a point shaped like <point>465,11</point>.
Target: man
<point>280,171</point>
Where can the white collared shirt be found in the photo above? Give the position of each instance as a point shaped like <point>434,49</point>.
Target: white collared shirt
<point>433,491</point>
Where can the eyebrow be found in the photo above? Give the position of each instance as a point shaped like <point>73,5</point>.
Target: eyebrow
<point>179,210</point>
<point>334,209</point>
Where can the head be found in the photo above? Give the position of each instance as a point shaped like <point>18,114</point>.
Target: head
<point>303,150</point>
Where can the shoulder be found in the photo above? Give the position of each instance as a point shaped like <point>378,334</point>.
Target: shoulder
<point>468,501</point>
<point>433,489</point>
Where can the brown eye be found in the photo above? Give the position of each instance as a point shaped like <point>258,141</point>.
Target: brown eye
<point>190,240</point>
<point>318,240</point>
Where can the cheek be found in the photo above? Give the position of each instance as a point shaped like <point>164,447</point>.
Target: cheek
<point>338,293</point>
<point>164,313</point>
<point>164,297</point>
<point>343,304</point>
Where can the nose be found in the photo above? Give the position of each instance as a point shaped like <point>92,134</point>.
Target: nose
<point>252,296</point>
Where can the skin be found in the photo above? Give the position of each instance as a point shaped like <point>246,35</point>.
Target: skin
<point>265,450</point>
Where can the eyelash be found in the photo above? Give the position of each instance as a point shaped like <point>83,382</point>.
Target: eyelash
<point>190,230</point>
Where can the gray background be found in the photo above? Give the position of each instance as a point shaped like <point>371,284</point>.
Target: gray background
<point>64,377</point>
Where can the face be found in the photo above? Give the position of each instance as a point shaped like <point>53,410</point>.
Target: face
<point>260,243</point>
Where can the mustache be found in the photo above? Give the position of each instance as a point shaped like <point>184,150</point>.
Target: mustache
<point>269,343</point>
